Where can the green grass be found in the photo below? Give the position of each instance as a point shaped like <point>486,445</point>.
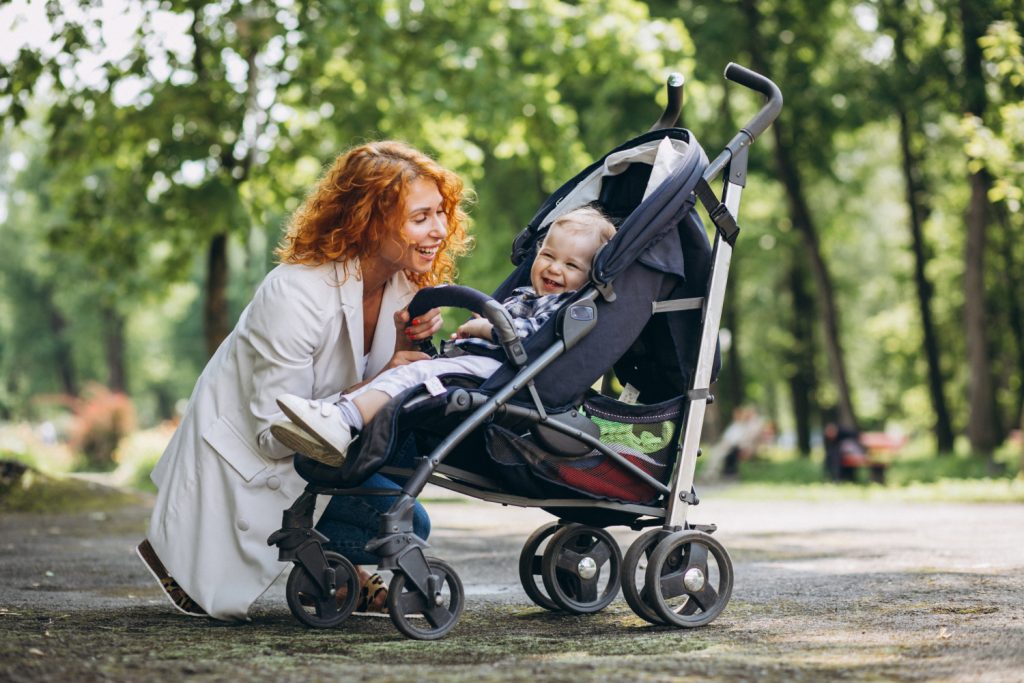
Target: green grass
<point>914,474</point>
<point>36,492</point>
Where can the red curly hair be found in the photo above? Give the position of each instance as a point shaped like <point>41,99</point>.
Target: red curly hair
<point>361,201</point>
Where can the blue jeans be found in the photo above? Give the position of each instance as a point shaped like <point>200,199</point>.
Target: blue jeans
<point>350,522</point>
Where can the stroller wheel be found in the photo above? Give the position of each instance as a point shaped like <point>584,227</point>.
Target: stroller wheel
<point>314,609</point>
<point>530,565</point>
<point>581,569</point>
<point>689,579</point>
<point>634,568</point>
<point>427,618</point>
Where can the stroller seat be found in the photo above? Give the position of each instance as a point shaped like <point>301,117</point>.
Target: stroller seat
<point>536,433</point>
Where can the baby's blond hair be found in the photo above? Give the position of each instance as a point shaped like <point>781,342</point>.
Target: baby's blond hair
<point>586,219</point>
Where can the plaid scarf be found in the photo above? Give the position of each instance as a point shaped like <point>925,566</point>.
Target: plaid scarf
<point>529,310</point>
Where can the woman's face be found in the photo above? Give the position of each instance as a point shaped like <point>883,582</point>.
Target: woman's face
<point>425,226</point>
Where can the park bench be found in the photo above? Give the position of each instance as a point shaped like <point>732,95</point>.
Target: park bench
<point>881,449</point>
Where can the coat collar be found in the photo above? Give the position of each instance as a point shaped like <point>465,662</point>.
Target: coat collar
<point>397,293</point>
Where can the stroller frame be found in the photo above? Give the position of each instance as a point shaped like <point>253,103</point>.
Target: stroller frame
<point>677,585</point>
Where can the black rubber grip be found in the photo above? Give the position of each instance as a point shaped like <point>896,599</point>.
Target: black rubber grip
<point>477,302</point>
<point>755,81</point>
<point>447,295</point>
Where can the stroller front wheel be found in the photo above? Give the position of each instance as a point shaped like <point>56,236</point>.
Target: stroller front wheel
<point>307,600</point>
<point>634,567</point>
<point>689,579</point>
<point>427,617</point>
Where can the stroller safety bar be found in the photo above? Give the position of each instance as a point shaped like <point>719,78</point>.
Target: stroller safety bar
<point>472,300</point>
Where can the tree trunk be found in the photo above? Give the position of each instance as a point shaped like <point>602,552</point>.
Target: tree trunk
<point>62,349</point>
<point>803,378</point>
<point>114,349</point>
<point>732,381</point>
<point>911,175</point>
<point>804,223</point>
<point>982,424</point>
<point>1013,298</point>
<point>215,306</point>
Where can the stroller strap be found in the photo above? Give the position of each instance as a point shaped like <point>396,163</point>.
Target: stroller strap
<point>720,215</point>
<point>677,305</point>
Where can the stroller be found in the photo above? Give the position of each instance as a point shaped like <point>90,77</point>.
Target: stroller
<point>536,434</point>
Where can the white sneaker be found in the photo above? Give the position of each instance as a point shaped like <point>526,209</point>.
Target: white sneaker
<point>299,440</point>
<point>322,420</point>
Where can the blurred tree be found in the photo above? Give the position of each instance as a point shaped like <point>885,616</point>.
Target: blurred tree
<point>995,144</point>
<point>797,67</point>
<point>217,117</point>
<point>152,146</point>
<point>917,76</point>
<point>983,428</point>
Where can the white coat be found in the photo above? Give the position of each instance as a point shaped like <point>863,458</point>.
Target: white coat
<point>224,480</point>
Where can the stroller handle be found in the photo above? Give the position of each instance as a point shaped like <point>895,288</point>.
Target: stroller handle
<point>755,81</point>
<point>472,300</point>
<point>674,106</point>
<point>755,126</point>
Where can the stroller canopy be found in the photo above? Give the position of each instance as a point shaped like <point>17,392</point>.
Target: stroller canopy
<point>660,252</point>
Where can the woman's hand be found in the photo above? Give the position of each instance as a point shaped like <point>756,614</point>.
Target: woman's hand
<point>423,327</point>
<point>477,327</point>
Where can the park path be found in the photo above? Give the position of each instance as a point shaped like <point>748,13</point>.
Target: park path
<point>824,590</point>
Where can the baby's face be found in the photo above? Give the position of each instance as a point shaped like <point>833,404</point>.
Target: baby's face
<point>563,263</point>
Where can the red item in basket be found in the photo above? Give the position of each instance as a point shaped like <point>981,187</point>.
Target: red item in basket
<point>609,480</point>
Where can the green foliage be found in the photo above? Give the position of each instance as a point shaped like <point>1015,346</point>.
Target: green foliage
<point>216,117</point>
<point>140,163</point>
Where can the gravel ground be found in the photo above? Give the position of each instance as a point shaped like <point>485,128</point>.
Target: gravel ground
<point>837,590</point>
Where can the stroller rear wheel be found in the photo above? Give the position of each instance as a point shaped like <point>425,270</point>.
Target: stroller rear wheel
<point>634,567</point>
<point>689,579</point>
<point>531,562</point>
<point>311,605</point>
<point>426,617</point>
<point>573,565</point>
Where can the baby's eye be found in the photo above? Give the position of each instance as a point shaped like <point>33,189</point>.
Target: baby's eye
<point>572,265</point>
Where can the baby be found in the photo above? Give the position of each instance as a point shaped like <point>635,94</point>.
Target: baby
<point>323,431</point>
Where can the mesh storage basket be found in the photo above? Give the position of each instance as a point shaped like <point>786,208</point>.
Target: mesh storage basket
<point>645,435</point>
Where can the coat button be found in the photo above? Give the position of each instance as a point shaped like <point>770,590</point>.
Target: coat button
<point>273,483</point>
<point>243,525</point>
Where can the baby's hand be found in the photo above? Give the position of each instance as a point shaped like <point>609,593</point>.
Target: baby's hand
<point>478,327</point>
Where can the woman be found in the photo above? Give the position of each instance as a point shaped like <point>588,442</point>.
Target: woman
<point>383,221</point>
